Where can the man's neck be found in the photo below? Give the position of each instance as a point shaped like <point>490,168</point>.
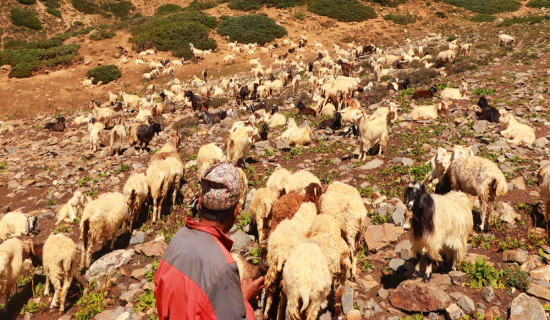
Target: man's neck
<point>219,225</point>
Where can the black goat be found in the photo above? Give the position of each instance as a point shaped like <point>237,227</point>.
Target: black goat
<point>197,102</point>
<point>212,118</point>
<point>397,86</point>
<point>487,112</point>
<point>319,57</point>
<point>255,107</point>
<point>369,48</point>
<point>242,94</point>
<point>145,134</point>
<point>204,74</point>
<point>291,50</point>
<point>58,126</point>
<point>424,94</point>
<point>334,123</point>
<point>274,110</point>
<point>310,67</point>
<point>264,131</point>
<point>305,111</point>
<point>346,68</point>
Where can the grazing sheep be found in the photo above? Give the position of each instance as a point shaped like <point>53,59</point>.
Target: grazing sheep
<point>159,180</point>
<point>96,131</point>
<point>465,49</point>
<point>12,254</point>
<point>72,208</point>
<point>543,181</point>
<point>278,181</point>
<point>455,93</point>
<point>487,112</point>
<point>101,219</point>
<point>431,112</point>
<point>476,176</point>
<point>59,259</point>
<point>372,133</point>
<point>16,224</point>
<point>424,94</point>
<point>505,39</point>
<point>287,205</point>
<point>446,56</point>
<point>440,224</point>
<point>142,134</point>
<point>516,133</point>
<point>260,211</point>
<point>239,141</point>
<point>306,281</point>
<point>136,191</point>
<point>295,135</point>
<point>299,181</point>
<point>208,155</point>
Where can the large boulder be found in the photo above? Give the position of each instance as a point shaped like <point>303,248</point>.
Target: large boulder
<point>109,264</point>
<point>524,307</point>
<point>416,296</point>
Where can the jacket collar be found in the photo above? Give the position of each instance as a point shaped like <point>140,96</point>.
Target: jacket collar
<point>215,232</point>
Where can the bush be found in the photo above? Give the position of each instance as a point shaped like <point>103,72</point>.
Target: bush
<point>538,4</point>
<point>102,33</point>
<point>342,10</point>
<point>486,6</point>
<point>483,17</point>
<point>25,61</point>
<point>441,14</point>
<point>168,8</point>
<point>530,20</point>
<point>401,18</point>
<point>251,28</point>
<point>281,4</point>
<point>244,5</point>
<point>85,6</point>
<point>51,3</point>
<point>482,274</point>
<point>202,5</point>
<point>25,18</point>
<point>119,9</point>
<point>27,2</point>
<point>388,3</point>
<point>105,74</point>
<point>54,12</point>
<point>175,32</point>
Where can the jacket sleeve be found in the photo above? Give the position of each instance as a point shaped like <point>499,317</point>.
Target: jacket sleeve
<point>226,296</point>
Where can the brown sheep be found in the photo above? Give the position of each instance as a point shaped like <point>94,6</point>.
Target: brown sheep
<point>287,205</point>
<point>424,94</point>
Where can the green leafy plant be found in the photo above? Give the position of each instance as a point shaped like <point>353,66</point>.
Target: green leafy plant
<point>515,278</point>
<point>402,19</point>
<point>150,274</point>
<point>33,307</point>
<point>486,6</point>
<point>243,219</point>
<point>538,4</point>
<point>388,3</point>
<point>251,28</point>
<point>27,2</point>
<point>294,152</point>
<point>25,18</point>
<point>483,91</point>
<point>483,17</point>
<point>244,5</point>
<point>120,9</point>
<point>2,165</point>
<point>105,74</point>
<point>519,20</point>
<point>168,8</point>
<point>54,12</point>
<point>123,167</point>
<point>342,10</point>
<point>481,274</point>
<point>145,301</point>
<point>89,304</point>
<point>86,6</point>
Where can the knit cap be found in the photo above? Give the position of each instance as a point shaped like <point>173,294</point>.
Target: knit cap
<point>221,186</point>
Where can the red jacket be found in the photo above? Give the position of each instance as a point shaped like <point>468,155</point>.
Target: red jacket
<point>197,277</point>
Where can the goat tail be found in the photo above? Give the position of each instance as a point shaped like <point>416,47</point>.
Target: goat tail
<point>305,301</point>
<point>500,187</point>
<point>84,233</point>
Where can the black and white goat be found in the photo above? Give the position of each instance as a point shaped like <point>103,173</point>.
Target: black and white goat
<point>212,118</point>
<point>334,123</point>
<point>58,126</point>
<point>487,112</point>
<point>399,85</point>
<point>197,102</point>
<point>439,225</point>
<point>424,94</point>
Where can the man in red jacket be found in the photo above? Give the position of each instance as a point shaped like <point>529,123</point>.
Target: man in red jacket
<point>197,277</point>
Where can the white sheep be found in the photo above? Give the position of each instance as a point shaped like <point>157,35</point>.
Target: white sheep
<point>372,133</point>
<point>16,224</point>
<point>160,181</point>
<point>275,120</point>
<point>505,39</point>
<point>208,155</point>
<point>136,191</point>
<point>59,259</point>
<point>72,208</point>
<point>465,49</point>
<point>295,135</point>
<point>440,224</point>
<point>229,58</point>
<point>476,176</point>
<point>516,132</point>
<point>239,141</point>
<point>82,119</point>
<point>101,219</point>
<point>130,102</point>
<point>431,112</point>
<point>306,281</point>
<point>12,254</point>
<point>446,56</point>
<point>277,181</point>
<point>299,180</point>
<point>96,131</point>
<point>260,211</point>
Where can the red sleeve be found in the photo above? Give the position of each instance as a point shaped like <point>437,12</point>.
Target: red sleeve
<point>249,311</point>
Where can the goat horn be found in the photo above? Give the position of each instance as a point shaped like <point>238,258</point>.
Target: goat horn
<point>410,175</point>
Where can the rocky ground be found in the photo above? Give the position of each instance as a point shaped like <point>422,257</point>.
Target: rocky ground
<point>40,170</point>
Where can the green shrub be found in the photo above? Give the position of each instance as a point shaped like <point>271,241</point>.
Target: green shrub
<point>483,17</point>
<point>89,305</point>
<point>104,74</point>
<point>25,18</point>
<point>27,2</point>
<point>402,19</point>
<point>486,6</point>
<point>51,3</point>
<point>202,5</point>
<point>244,5</point>
<point>251,28</point>
<point>119,9</point>
<point>530,20</point>
<point>102,33</point>
<point>53,12</point>
<point>175,32</point>
<point>85,6</point>
<point>342,10</point>
<point>388,3</point>
<point>482,274</point>
<point>538,4</point>
<point>25,61</point>
<point>168,8</point>
<point>281,4</point>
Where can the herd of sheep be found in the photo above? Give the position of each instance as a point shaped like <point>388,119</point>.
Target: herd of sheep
<point>308,234</point>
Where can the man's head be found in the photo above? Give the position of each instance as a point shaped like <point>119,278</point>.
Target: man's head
<point>221,188</point>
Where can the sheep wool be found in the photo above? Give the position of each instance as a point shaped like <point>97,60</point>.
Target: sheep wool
<point>59,259</point>
<point>299,180</point>
<point>516,132</point>
<point>543,181</point>
<point>260,211</point>
<point>16,224</point>
<point>159,181</point>
<point>278,180</point>
<point>208,155</point>
<point>306,281</point>
<point>12,254</point>
<point>239,141</point>
<point>136,191</point>
<point>101,219</point>
<point>72,208</point>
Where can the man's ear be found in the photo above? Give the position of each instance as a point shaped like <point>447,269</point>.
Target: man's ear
<point>237,210</point>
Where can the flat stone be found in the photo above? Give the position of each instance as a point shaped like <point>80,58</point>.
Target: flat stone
<point>488,294</point>
<point>129,296</point>
<point>354,315</point>
<point>372,305</point>
<point>416,296</point>
<point>458,277</point>
<point>398,214</point>
<point>517,255</point>
<point>466,304</point>
<point>518,183</point>
<point>281,145</point>
<point>454,312</point>
<point>152,249</point>
<point>480,126</point>
<point>240,239</point>
<point>539,291</point>
<point>109,263</point>
<point>541,142</point>
<point>373,164</point>
<point>138,238</point>
<point>541,273</point>
<point>395,264</point>
<point>383,294</point>
<point>347,302</point>
<point>139,273</point>
<point>507,213</point>
<point>524,307</point>
<point>379,236</point>
<point>124,316</point>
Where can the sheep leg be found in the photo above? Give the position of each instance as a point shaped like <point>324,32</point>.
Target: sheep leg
<point>282,306</point>
<point>483,213</point>
<point>57,287</point>
<point>89,255</point>
<point>313,310</point>
<point>47,285</point>
<point>417,266</point>
<point>155,208</point>
<point>111,246</point>
<point>66,284</point>
<point>428,272</point>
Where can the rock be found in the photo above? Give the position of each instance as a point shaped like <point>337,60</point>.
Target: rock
<point>507,213</point>
<point>367,282</point>
<point>407,162</point>
<point>454,312</point>
<point>354,315</point>
<point>403,248</point>
<point>109,263</point>
<point>282,145</point>
<point>347,302</point>
<point>138,238</point>
<point>458,277</point>
<point>373,164</point>
<point>105,315</point>
<point>539,291</point>
<point>117,312</point>
<point>541,273</point>
<point>325,316</point>
<point>152,249</point>
<point>123,316</point>
<point>262,145</point>
<point>480,126</point>
<point>524,307</point>
<point>240,239</point>
<point>517,255</point>
<point>379,236</point>
<point>395,264</point>
<point>416,296</point>
<point>541,142</point>
<point>139,274</point>
<point>488,294</point>
<point>129,296</point>
<point>466,304</point>
<point>398,214</point>
<point>372,305</point>
<point>518,183</point>
<point>383,294</point>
